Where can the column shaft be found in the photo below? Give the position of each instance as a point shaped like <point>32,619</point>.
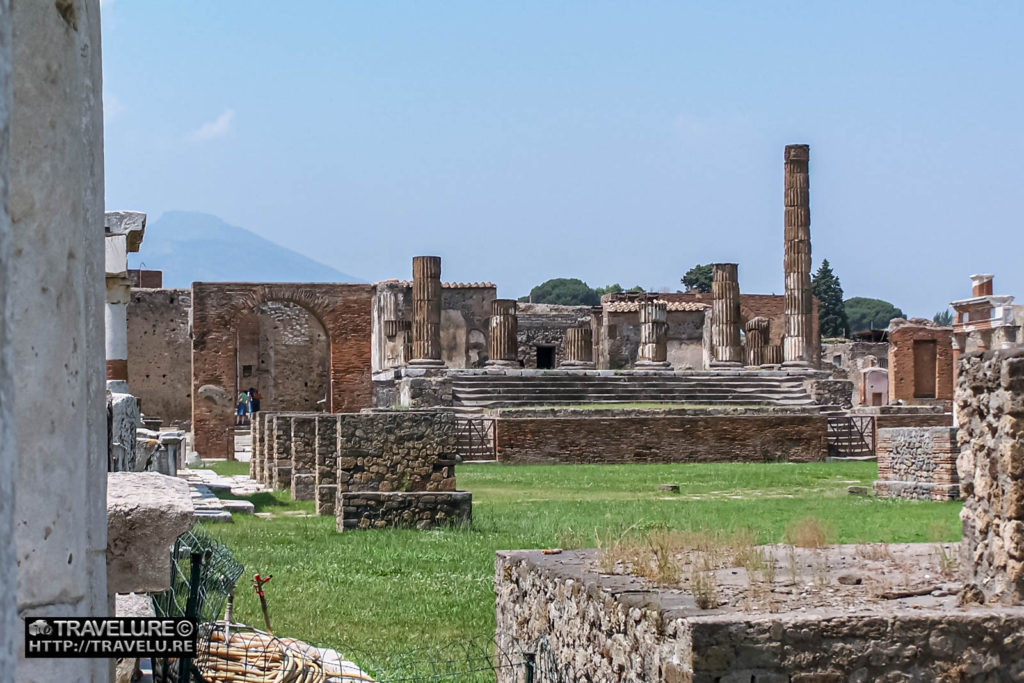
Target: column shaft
<point>426,321</point>
<point>798,343</point>
<point>725,314</point>
<point>503,340</point>
<point>579,348</point>
<point>653,351</point>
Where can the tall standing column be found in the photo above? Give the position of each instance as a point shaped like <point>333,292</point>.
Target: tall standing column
<point>653,351</point>
<point>579,348</point>
<point>426,320</point>
<point>123,233</point>
<point>725,315</point>
<point>798,344</point>
<point>503,340</point>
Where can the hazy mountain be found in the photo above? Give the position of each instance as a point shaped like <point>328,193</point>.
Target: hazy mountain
<point>196,247</point>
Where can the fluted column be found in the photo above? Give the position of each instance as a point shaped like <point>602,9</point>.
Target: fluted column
<point>756,340</point>
<point>725,315</point>
<point>579,348</point>
<point>426,320</point>
<point>772,355</point>
<point>798,343</point>
<point>503,340</point>
<point>653,351</point>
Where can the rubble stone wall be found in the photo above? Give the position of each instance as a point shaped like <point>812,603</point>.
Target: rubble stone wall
<point>419,510</point>
<point>405,450</point>
<point>990,408</point>
<point>160,353</point>
<point>579,625</point>
<point>703,436</point>
<point>303,456</point>
<point>917,463</point>
<point>326,481</point>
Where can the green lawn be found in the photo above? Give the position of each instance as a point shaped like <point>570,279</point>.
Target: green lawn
<point>390,591</point>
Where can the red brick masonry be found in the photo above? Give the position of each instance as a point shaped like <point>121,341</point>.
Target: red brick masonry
<point>597,437</point>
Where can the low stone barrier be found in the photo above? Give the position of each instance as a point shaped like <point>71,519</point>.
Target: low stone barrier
<point>576,624</point>
<point>672,436</point>
<point>326,480</point>
<point>303,456</point>
<point>917,463</point>
<point>419,510</point>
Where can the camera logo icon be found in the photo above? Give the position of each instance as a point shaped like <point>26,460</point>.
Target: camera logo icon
<point>40,627</point>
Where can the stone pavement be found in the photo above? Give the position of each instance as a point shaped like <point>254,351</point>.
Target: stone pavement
<point>210,508</point>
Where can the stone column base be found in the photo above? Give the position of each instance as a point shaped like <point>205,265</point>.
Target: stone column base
<point>576,365</point>
<point>426,363</point>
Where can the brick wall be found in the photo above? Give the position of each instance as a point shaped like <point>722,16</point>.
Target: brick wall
<point>160,353</point>
<point>219,309</point>
<point>597,437</point>
<point>917,463</point>
<point>902,385</point>
<point>771,306</point>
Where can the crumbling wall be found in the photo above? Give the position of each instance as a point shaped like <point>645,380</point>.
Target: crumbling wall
<point>160,353</point>
<point>599,436</point>
<point>54,288</point>
<point>293,359</point>
<point>904,374</point>
<point>990,410</point>
<point>917,463</point>
<point>545,325</point>
<point>846,360</point>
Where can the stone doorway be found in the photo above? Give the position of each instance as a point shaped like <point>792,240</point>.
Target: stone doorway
<point>925,356</point>
<point>545,357</point>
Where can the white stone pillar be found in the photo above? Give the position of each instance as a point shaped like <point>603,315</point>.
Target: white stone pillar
<point>123,231</point>
<point>55,303</point>
<point>10,629</point>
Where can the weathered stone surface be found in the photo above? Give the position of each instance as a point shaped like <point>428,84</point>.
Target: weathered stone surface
<point>582,625</point>
<point>990,405</point>
<point>831,392</point>
<point>917,463</point>
<point>725,315</point>
<point>53,286</point>
<point>8,453</point>
<point>418,510</point>
<point>303,456</point>
<point>799,342</point>
<point>146,511</point>
<point>124,420</point>
<point>326,480</point>
<point>160,353</point>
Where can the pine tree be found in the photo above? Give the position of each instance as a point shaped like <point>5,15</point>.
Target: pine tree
<point>825,285</point>
<point>698,278</point>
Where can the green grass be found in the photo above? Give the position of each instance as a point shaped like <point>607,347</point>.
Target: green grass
<point>227,468</point>
<point>393,590</point>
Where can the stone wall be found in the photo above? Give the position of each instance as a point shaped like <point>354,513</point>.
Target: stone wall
<point>618,339</point>
<point>771,306</point>
<point>221,312</point>
<point>831,392</point>
<point>52,287</point>
<point>576,624</point>
<point>917,463</point>
<point>326,480</point>
<point>990,409</point>
<point>160,353</point>
<point>303,457</point>
<point>292,359</point>
<point>545,325</point>
<point>846,360</point>
<point>419,510</point>
<point>683,436</point>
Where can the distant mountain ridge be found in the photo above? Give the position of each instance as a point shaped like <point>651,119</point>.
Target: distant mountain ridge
<point>189,246</point>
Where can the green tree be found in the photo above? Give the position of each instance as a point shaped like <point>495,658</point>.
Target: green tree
<point>616,289</point>
<point>698,279</point>
<point>832,320</point>
<point>566,291</point>
<point>870,314</point>
<point>944,318</point>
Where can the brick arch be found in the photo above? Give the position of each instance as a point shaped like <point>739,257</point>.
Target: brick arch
<point>344,310</point>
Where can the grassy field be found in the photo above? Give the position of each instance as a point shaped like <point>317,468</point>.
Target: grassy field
<point>390,591</point>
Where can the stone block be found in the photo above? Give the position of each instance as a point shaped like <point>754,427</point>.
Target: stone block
<point>303,486</point>
<point>146,512</point>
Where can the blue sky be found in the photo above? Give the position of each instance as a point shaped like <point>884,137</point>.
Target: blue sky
<point>611,141</point>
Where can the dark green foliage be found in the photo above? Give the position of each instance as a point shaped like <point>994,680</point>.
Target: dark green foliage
<point>870,314</point>
<point>698,279</point>
<point>944,318</point>
<point>572,292</point>
<point>566,291</point>
<point>832,320</point>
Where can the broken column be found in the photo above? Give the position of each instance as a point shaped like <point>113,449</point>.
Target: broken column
<point>798,343</point>
<point>503,339</point>
<point>756,340</point>
<point>653,351</point>
<point>426,321</point>
<point>579,348</point>
<point>725,315</point>
<point>123,232</point>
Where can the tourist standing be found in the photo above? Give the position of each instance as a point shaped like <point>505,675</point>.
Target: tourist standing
<point>242,409</point>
